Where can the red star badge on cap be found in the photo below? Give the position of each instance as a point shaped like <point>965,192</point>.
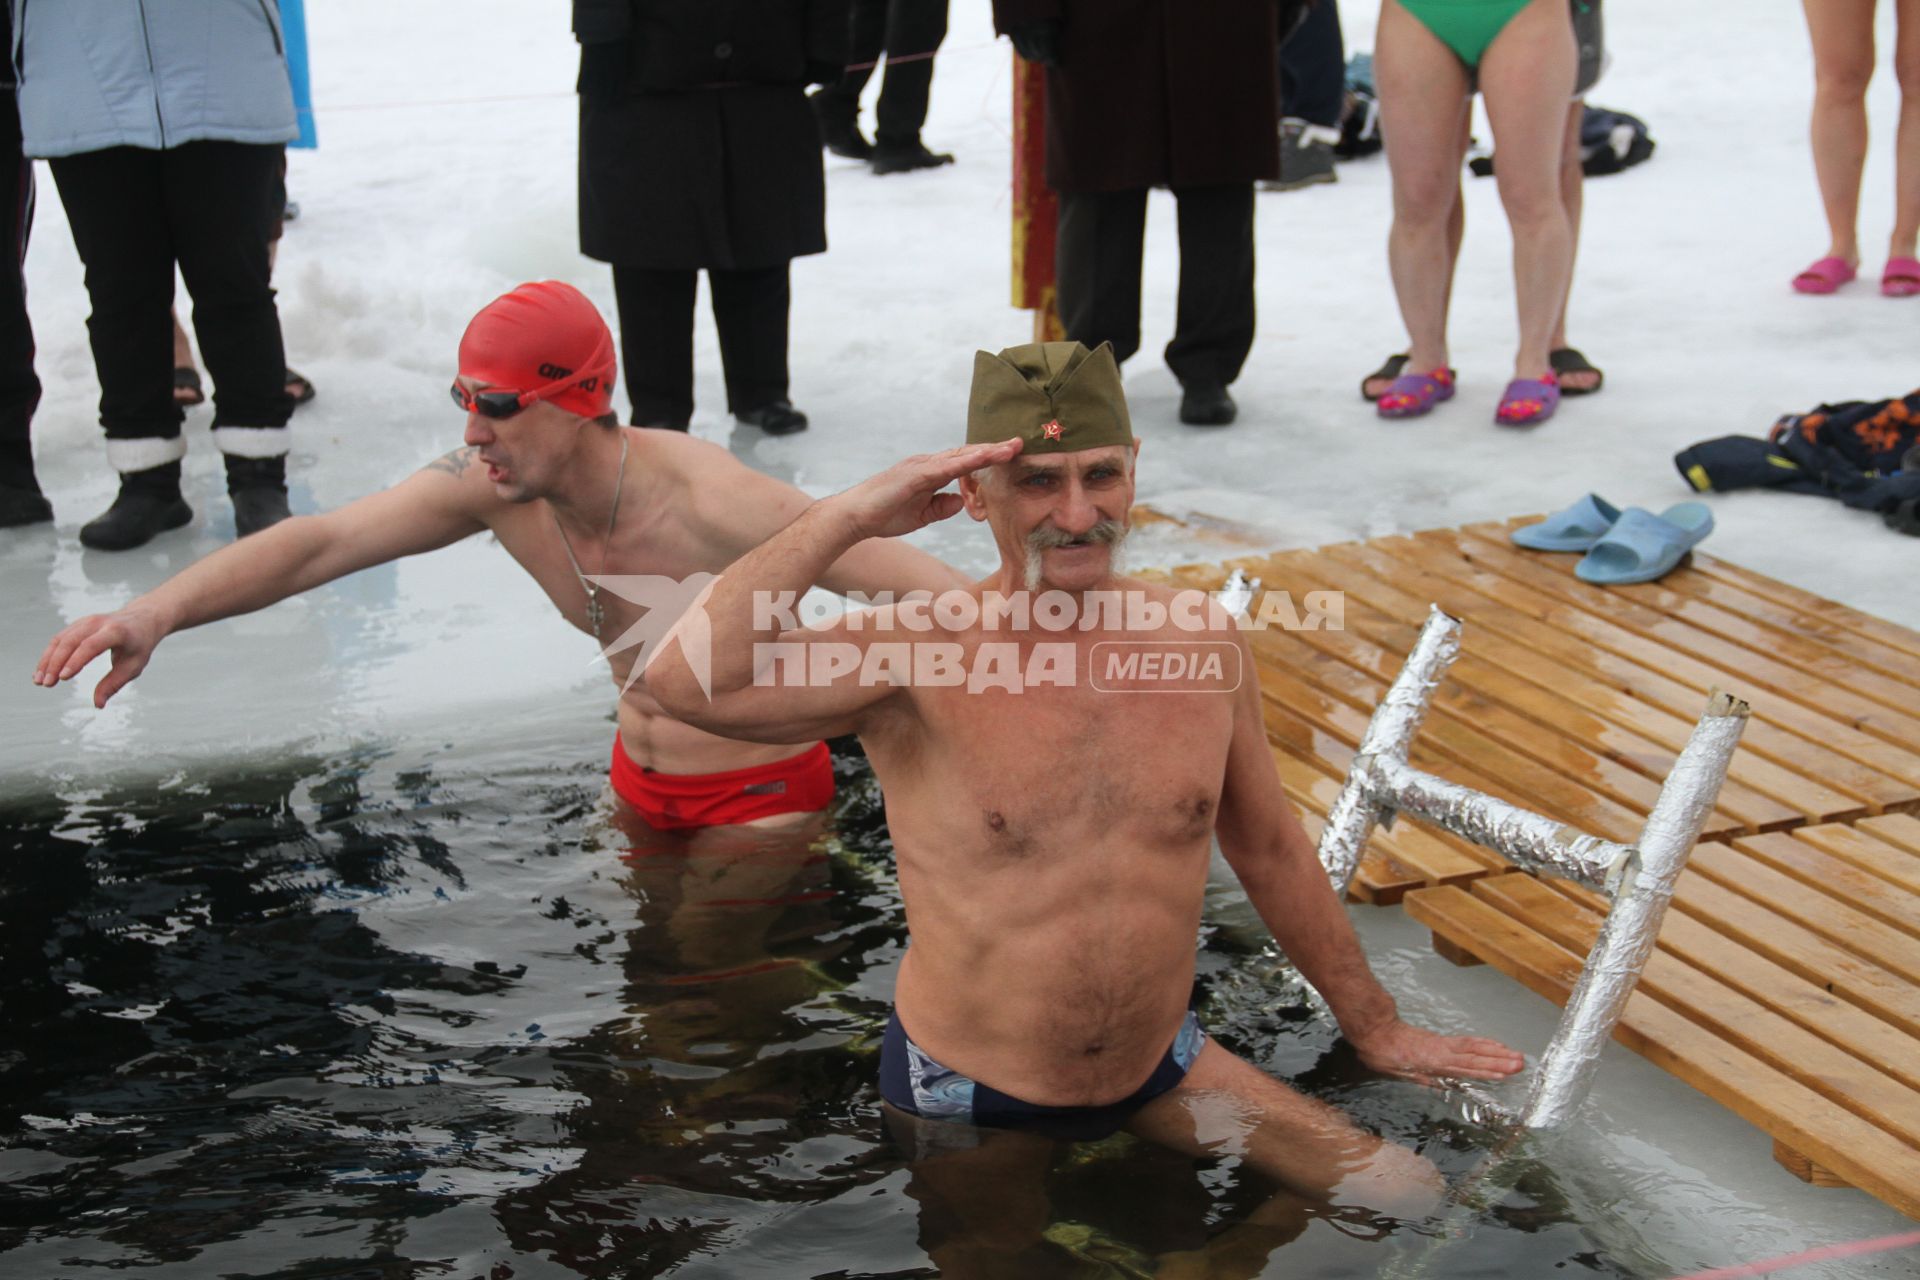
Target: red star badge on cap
<point>1051,430</point>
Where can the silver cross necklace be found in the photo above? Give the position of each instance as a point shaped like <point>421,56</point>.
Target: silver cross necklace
<point>595,614</point>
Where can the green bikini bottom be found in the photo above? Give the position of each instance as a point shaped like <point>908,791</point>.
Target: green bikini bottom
<point>1465,26</point>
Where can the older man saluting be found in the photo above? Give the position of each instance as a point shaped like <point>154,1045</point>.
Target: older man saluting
<point>1052,804</point>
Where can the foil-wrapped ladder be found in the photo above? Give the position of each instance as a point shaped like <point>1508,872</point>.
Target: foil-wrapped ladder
<point>1638,878</point>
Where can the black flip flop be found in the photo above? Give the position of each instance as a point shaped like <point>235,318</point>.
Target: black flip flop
<point>187,378</point>
<point>1569,360</point>
<point>1394,366</point>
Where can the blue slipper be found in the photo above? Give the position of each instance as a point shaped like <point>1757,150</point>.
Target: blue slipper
<point>1574,528</point>
<point>1642,546</point>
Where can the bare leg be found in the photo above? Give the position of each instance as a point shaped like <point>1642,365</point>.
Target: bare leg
<point>1227,1107</point>
<point>1526,78</point>
<point>982,1196</point>
<point>1457,216</point>
<point>1906,66</point>
<point>1842,32</point>
<point>1572,193</point>
<point>1572,198</point>
<point>182,349</point>
<point>183,359</point>
<point>1373,388</point>
<point>1423,106</point>
<point>715,893</point>
<point>294,388</point>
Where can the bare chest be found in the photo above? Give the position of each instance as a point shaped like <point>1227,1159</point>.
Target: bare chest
<point>634,587</point>
<point>1049,770</point>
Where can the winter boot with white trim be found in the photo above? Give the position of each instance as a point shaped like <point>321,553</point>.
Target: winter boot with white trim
<point>256,475</point>
<point>149,503</point>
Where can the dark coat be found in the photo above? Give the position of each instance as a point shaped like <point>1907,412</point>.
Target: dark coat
<point>698,149</point>
<point>1158,93</point>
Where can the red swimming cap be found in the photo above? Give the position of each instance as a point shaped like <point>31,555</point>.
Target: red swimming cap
<point>537,335</point>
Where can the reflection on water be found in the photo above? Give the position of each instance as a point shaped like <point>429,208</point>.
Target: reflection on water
<point>442,1017</point>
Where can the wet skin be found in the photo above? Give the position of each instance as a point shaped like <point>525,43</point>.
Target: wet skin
<point>686,507</point>
<point>1053,843</point>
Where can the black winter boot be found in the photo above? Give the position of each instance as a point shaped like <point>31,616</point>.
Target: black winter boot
<point>1206,404</point>
<point>259,490</point>
<point>777,419</point>
<point>839,127</point>
<point>905,157</point>
<point>20,506</point>
<point>149,504</point>
<point>21,501</point>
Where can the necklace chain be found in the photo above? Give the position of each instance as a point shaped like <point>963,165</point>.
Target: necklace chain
<point>595,614</point>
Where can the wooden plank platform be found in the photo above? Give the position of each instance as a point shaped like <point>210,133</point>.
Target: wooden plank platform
<point>1786,986</point>
<point>1574,700</point>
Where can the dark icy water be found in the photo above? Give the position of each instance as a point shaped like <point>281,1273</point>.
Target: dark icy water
<point>383,1017</point>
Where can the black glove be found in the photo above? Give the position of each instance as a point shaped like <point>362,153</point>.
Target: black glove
<point>1038,41</point>
<point>603,72</point>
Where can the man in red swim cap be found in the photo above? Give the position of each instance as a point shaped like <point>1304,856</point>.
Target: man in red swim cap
<point>575,498</point>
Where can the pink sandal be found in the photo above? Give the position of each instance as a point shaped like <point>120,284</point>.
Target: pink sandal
<point>1412,394</point>
<point>1824,276</point>
<point>1901,279</point>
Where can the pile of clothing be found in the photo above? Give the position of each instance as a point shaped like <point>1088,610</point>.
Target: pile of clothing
<point>1866,453</point>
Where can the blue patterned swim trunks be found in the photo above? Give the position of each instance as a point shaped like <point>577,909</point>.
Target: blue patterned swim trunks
<point>915,1083</point>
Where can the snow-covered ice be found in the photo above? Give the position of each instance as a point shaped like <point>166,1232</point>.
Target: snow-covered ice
<point>446,175</point>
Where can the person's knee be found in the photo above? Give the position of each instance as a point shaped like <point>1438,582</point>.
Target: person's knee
<point>1843,78</point>
<point>1395,1181</point>
<point>1534,207</point>
<point>1424,201</point>
<point>1906,71</point>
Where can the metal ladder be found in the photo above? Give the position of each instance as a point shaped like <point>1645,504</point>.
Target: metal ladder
<point>1638,878</point>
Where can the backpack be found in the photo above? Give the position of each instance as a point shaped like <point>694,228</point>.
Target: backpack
<point>1609,142</point>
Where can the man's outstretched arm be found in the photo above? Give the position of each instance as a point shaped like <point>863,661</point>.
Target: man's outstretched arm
<point>725,637</point>
<point>430,509</point>
<point>1268,849</point>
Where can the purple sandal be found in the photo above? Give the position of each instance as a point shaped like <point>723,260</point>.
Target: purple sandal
<point>1528,401</point>
<point>1412,394</point>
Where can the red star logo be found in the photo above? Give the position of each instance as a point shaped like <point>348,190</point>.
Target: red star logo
<point>1051,430</point>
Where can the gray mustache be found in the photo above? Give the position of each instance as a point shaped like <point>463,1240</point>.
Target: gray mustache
<point>1047,537</point>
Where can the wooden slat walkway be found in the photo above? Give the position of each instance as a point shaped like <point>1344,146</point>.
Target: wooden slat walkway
<point>1574,700</point>
<point>1786,985</point>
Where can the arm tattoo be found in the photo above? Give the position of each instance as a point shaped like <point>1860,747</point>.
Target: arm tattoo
<point>453,463</point>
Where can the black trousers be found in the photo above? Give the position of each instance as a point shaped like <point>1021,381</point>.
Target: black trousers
<point>910,31</point>
<point>1313,68</point>
<point>211,207</point>
<point>656,338</point>
<point>19,388</point>
<point>1097,263</point>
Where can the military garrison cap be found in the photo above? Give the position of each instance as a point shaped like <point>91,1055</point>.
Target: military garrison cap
<point>1058,397</point>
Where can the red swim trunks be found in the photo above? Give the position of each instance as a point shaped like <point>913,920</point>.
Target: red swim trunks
<point>683,801</point>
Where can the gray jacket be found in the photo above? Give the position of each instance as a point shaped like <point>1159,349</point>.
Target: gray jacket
<point>150,73</point>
